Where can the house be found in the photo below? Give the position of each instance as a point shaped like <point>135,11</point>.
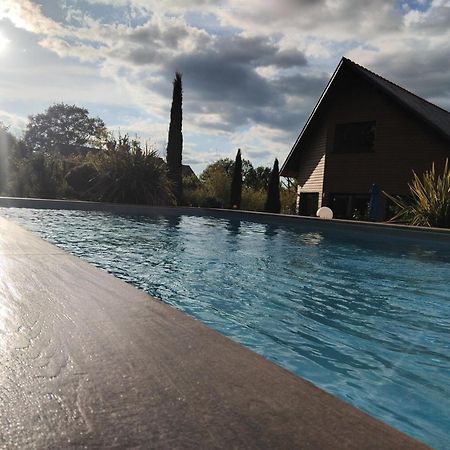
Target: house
<point>364,130</point>
<point>186,171</point>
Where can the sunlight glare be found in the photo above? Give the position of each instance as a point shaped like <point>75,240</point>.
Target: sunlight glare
<point>4,42</point>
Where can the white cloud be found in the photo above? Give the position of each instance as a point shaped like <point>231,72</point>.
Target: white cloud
<point>249,81</point>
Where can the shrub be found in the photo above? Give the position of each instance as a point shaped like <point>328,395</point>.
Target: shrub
<point>129,174</point>
<point>430,200</point>
<point>252,199</point>
<point>82,177</point>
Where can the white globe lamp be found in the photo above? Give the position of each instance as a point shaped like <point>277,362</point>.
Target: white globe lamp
<point>324,213</point>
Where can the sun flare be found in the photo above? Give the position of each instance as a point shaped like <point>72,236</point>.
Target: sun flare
<point>4,42</point>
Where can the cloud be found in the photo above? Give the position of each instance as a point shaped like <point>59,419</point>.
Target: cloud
<point>251,77</point>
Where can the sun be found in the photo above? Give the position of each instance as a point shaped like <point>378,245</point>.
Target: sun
<point>4,42</point>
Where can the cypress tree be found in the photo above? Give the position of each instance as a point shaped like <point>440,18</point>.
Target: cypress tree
<point>175,142</point>
<point>273,203</point>
<point>236,182</point>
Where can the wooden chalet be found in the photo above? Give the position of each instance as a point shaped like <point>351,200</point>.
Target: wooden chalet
<point>364,130</point>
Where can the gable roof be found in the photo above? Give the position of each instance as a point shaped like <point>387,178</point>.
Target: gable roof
<point>436,117</point>
<point>186,171</point>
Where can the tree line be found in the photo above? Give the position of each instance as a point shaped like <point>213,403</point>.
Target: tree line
<point>65,153</point>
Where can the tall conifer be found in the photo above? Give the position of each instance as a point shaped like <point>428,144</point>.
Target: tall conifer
<point>175,142</point>
<point>236,182</point>
<point>273,203</point>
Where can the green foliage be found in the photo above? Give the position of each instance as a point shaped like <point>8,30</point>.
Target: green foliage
<point>194,191</point>
<point>40,176</point>
<point>216,182</point>
<point>288,197</point>
<point>273,203</point>
<point>253,199</point>
<point>236,182</point>
<point>213,188</point>
<point>175,141</point>
<point>63,124</point>
<point>430,200</point>
<point>129,174</point>
<point>82,178</point>
<point>258,178</point>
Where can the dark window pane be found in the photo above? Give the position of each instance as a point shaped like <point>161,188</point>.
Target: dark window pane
<point>357,137</point>
<point>308,203</point>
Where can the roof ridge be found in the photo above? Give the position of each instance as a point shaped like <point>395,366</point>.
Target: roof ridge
<point>394,84</point>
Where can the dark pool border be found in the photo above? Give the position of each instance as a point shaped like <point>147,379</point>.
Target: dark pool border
<point>387,229</point>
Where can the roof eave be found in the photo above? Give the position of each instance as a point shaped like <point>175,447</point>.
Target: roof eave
<point>405,105</point>
<point>310,118</point>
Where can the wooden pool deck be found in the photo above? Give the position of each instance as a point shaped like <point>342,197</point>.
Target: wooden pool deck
<point>87,361</point>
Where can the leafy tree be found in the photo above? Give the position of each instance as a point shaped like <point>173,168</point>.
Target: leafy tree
<point>216,185</point>
<point>429,204</point>
<point>273,204</point>
<point>175,142</point>
<point>252,178</point>
<point>63,124</point>
<point>40,176</point>
<point>257,178</point>
<point>216,179</point>
<point>236,182</point>
<point>224,165</point>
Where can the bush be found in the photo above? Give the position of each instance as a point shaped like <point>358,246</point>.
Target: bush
<point>253,200</point>
<point>128,174</point>
<point>39,176</point>
<point>82,177</point>
<point>430,200</point>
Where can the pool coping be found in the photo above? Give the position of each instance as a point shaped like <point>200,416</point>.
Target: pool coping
<point>393,229</point>
<point>136,371</point>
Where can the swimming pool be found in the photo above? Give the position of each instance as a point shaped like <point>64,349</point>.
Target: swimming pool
<point>364,316</point>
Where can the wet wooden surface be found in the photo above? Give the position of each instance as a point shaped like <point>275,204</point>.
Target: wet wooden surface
<point>89,361</point>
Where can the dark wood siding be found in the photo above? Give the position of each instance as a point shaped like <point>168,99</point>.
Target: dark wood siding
<point>402,142</point>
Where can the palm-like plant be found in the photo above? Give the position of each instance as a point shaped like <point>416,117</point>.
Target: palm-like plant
<point>129,174</point>
<point>430,202</point>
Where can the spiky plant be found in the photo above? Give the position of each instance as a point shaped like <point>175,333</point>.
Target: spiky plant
<point>129,174</point>
<point>430,200</point>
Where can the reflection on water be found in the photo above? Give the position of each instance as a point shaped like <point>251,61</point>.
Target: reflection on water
<point>311,238</point>
<point>365,317</point>
<point>233,226</point>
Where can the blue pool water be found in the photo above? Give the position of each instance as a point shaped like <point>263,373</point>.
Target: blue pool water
<point>366,318</point>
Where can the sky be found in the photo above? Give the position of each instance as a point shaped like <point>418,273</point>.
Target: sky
<point>252,70</point>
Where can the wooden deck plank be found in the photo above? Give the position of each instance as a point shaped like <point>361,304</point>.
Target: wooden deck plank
<point>89,361</point>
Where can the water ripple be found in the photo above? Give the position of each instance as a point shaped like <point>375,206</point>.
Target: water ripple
<point>366,319</point>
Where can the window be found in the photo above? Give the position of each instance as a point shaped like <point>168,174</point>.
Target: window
<point>308,203</point>
<point>356,137</point>
<point>349,206</point>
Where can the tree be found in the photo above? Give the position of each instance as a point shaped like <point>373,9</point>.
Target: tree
<point>175,141</point>
<point>273,204</point>
<point>63,124</point>
<point>257,178</point>
<point>236,182</point>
